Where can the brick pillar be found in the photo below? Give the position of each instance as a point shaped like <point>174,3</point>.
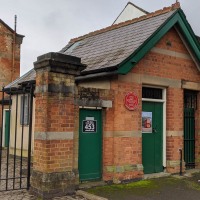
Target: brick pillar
<point>53,168</point>
<point>175,126</point>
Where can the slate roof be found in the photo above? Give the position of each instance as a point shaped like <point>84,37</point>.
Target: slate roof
<point>27,77</point>
<point>105,49</point>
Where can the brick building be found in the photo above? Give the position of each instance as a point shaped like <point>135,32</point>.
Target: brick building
<point>10,45</point>
<point>117,103</point>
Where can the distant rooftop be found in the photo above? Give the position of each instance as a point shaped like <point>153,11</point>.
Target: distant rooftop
<point>27,77</point>
<point>129,12</point>
<point>9,28</point>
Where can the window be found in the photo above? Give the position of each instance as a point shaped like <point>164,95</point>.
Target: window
<point>190,99</point>
<point>24,115</point>
<point>152,93</point>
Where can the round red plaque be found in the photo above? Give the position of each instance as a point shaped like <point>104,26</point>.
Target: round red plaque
<point>131,101</point>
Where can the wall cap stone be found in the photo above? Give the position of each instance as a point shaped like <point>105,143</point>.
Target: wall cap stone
<point>59,62</point>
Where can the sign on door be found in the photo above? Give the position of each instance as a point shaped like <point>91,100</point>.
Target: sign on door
<point>89,125</point>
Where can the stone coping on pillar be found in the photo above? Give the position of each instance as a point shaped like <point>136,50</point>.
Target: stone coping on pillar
<point>54,136</point>
<point>55,88</point>
<point>59,62</point>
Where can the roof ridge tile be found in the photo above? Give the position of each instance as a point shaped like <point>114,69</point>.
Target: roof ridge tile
<point>122,24</point>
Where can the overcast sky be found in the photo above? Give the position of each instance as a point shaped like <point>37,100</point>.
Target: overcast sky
<point>48,25</point>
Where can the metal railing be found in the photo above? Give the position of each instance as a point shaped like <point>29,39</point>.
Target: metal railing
<point>16,137</point>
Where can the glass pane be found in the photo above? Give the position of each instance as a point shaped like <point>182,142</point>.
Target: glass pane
<point>190,99</point>
<point>151,93</point>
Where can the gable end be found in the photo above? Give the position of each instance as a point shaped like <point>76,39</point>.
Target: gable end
<point>178,20</point>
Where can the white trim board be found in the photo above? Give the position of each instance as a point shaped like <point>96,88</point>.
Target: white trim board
<point>164,101</point>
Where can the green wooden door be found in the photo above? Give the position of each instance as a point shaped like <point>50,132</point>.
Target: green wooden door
<point>189,137</point>
<point>7,127</point>
<point>152,137</point>
<point>90,144</point>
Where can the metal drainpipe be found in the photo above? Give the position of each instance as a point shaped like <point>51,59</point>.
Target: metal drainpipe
<point>13,50</point>
<point>181,163</point>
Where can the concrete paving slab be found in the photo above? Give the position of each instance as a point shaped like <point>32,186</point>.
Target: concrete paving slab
<point>86,185</point>
<point>89,196</point>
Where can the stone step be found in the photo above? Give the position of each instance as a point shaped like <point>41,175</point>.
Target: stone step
<point>156,175</point>
<point>89,196</point>
<point>86,185</point>
<point>74,197</point>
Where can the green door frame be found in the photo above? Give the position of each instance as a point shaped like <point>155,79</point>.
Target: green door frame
<point>163,100</point>
<point>190,105</point>
<point>152,137</point>
<point>90,144</point>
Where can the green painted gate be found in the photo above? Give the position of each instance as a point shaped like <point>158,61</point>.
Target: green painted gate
<point>7,127</point>
<point>90,144</point>
<point>152,137</point>
<point>189,137</point>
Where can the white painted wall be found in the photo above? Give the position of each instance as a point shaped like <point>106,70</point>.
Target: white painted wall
<point>130,12</point>
<point>19,129</point>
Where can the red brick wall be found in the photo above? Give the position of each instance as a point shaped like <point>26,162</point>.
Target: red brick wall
<point>155,64</point>
<point>175,122</point>
<point>53,156</point>
<point>7,72</point>
<point>54,114</point>
<point>6,50</point>
<point>121,151</point>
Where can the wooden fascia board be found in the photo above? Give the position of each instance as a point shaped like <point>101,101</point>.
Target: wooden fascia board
<point>176,18</point>
<point>191,52</point>
<point>189,35</point>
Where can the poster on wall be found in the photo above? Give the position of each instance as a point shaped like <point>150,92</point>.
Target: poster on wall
<point>147,122</point>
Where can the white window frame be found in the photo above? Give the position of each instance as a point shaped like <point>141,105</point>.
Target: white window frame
<point>26,110</point>
<point>164,101</point>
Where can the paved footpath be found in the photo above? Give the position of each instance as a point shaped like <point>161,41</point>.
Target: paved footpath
<point>24,195</point>
<point>10,168</point>
<point>16,195</point>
